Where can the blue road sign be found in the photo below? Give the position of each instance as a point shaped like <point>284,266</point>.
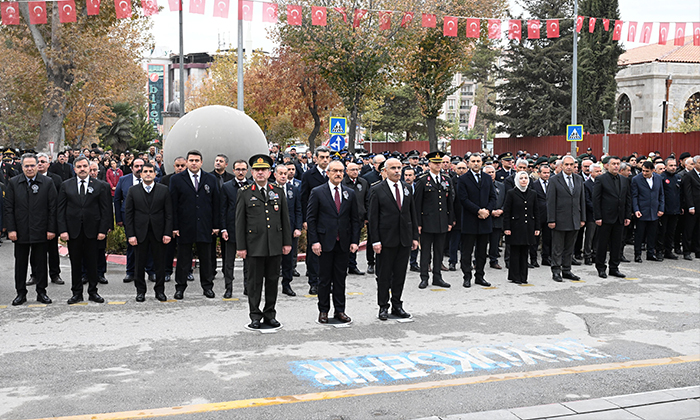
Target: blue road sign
<point>337,125</point>
<point>337,143</point>
<point>574,133</point>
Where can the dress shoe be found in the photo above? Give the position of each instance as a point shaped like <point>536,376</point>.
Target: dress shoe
<point>102,280</point>
<point>467,283</point>
<point>546,262</point>
<point>507,265</point>
<point>670,256</point>
<point>167,277</point>
<point>228,293</point>
<point>578,257</point>
<point>400,313</point>
<point>190,277</point>
<point>313,290</point>
<point>128,279</point>
<point>287,290</point>
<point>356,271</point>
<point>414,268</point>
<point>295,273</point>
<point>557,277</point>
<point>482,282</point>
<point>624,259</point>
<point>370,269</point>
<point>569,275</point>
<point>574,261</point>
<point>20,299</point>
<point>516,281</point>
<point>31,281</point>
<point>140,297</point>
<point>151,277</point>
<point>272,322</point>
<point>161,297</point>
<point>688,257</point>
<point>245,291</point>
<point>209,293</point>
<point>96,298</point>
<point>84,279</point>
<point>75,299</point>
<point>323,317</point>
<point>255,324</point>
<point>342,317</point>
<point>496,266</point>
<point>588,261</point>
<point>617,273</point>
<point>535,264</point>
<point>57,280</point>
<point>383,314</point>
<point>637,258</point>
<point>43,298</point>
<point>179,295</point>
<point>452,267</point>
<point>602,275</point>
<point>530,266</point>
<point>443,268</point>
<point>654,258</point>
<point>423,284</point>
<point>440,283</point>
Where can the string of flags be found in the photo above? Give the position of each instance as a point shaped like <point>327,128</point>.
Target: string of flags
<point>9,11</point>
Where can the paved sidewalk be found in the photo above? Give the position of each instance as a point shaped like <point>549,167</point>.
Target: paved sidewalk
<point>667,404</point>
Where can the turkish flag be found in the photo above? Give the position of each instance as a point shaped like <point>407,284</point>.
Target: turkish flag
<point>617,32</point>
<point>150,7</point>
<point>591,25</point>
<point>385,20</point>
<point>680,34</point>
<point>663,32</point>
<point>318,16</point>
<point>606,24</point>
<point>123,8</point>
<point>342,12</point>
<point>37,12</point>
<point>473,26</point>
<point>357,17</point>
<point>196,6</point>
<point>696,34</point>
<point>533,29</point>
<point>515,29</point>
<point>646,32</point>
<point>494,28</point>
<point>632,31</point>
<point>579,23</point>
<point>245,10</point>
<point>270,12</point>
<point>294,15</point>
<point>428,20</point>
<point>221,8</point>
<point>10,12</point>
<point>553,28</point>
<point>449,26</point>
<point>407,19</point>
<point>66,11</point>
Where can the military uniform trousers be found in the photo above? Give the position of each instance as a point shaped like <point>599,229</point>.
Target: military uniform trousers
<point>435,243</point>
<point>263,271</point>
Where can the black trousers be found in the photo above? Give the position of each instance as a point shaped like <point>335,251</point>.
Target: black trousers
<point>578,245</point>
<point>263,270</point>
<point>434,242</point>
<point>288,264</point>
<point>38,262</point>
<point>469,241</point>
<point>331,278</point>
<point>101,259</point>
<point>392,264</point>
<point>609,235</point>
<point>369,252</point>
<point>546,237</point>
<point>230,264</point>
<point>311,266</point>
<point>691,241</point>
<point>154,247</point>
<point>590,242</point>
<point>170,250</point>
<point>562,250</point>
<point>494,249</point>
<point>517,271</point>
<point>184,263</point>
<point>83,251</point>
<point>455,238</point>
<point>54,260</point>
<point>646,233</point>
<point>666,234</point>
<point>213,253</point>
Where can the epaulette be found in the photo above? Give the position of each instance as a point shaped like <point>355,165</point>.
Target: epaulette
<point>245,187</point>
<point>422,175</point>
<point>376,182</point>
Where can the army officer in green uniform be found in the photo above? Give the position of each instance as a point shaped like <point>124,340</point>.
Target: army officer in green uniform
<point>263,234</point>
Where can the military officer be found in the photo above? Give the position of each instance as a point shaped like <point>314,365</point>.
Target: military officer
<point>506,170</point>
<point>263,234</point>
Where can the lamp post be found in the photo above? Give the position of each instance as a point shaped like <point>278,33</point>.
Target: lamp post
<point>664,122</point>
<point>606,138</point>
<point>574,81</point>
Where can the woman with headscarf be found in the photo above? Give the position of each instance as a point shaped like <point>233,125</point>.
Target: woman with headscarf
<point>520,221</point>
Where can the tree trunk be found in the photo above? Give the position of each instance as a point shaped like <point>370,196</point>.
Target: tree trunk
<point>313,109</point>
<point>353,124</point>
<point>53,114</point>
<point>431,122</point>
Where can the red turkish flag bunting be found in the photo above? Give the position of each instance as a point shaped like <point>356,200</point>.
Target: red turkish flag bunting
<point>407,19</point>
<point>9,11</point>
<point>245,10</point>
<point>473,26</point>
<point>591,25</point>
<point>66,11</point>
<point>617,32</point>
<point>342,12</point>
<point>37,12</point>
<point>196,6</point>
<point>494,28</point>
<point>294,15</point>
<point>385,20</point>
<point>553,28</point>
<point>221,8</point>
<point>150,7</point>
<point>270,12</point>
<point>175,5</point>
<point>428,20</point>
<point>515,29</point>
<point>680,34</point>
<point>663,32</point>
<point>318,16</point>
<point>632,31</point>
<point>533,29</point>
<point>357,17</point>
<point>606,24</point>
<point>696,34</point>
<point>449,26</point>
<point>579,23</point>
<point>123,8</point>
<point>646,32</point>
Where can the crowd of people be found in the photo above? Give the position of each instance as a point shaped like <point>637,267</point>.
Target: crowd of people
<point>557,211</point>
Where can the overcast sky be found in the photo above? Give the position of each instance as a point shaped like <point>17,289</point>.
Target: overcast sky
<point>204,33</point>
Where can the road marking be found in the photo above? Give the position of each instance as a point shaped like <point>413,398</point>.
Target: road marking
<point>438,290</point>
<point>688,269</point>
<point>116,303</point>
<point>231,300</point>
<point>3,306</point>
<point>79,304</point>
<point>631,278</point>
<point>376,390</point>
<point>355,293</point>
<point>37,305</point>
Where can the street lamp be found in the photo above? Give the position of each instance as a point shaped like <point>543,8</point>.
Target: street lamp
<point>665,103</point>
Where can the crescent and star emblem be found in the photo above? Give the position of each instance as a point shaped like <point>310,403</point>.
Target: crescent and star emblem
<point>125,6</point>
<point>40,10</point>
<point>67,8</point>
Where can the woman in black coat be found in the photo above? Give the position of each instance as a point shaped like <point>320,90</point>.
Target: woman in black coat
<point>520,221</point>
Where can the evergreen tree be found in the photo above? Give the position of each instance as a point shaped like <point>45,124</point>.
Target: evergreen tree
<point>400,113</point>
<point>118,133</point>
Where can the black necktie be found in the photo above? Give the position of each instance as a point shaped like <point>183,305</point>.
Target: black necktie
<point>262,190</point>
<point>478,178</point>
<point>82,188</point>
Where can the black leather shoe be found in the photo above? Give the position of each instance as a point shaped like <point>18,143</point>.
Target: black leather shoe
<point>414,268</point>
<point>254,324</point>
<point>167,277</point>
<point>57,280</point>
<point>508,265</point>
<point>687,257</point>
<point>588,261</point>
<point>496,266</point>
<point>602,275</point>
<point>140,297</point>
<point>400,313</point>
<point>569,275</point>
<point>370,269</point>
<point>96,298</point>
<point>441,283</point>
<point>535,264</point>
<point>383,314</point>
<point>670,256</point>
<point>287,290</point>
<point>637,258</point>
<point>179,295</point>
<point>617,273</point>
<point>546,262</point>
<point>209,293</point>
<point>356,271</point>
<point>482,283</point>
<point>20,299</point>
<point>295,273</point>
<point>530,266</point>
<point>443,268</point>
<point>313,290</point>
<point>323,317</point>
<point>31,281</point>
<point>102,280</point>
<point>228,294</point>
<point>161,297</point>
<point>75,299</point>
<point>43,298</point>
<point>574,261</point>
<point>654,258</point>
<point>624,259</point>
<point>423,284</point>
<point>452,267</point>
<point>557,277</point>
<point>245,291</point>
<point>151,277</point>
<point>467,283</point>
<point>272,322</point>
<point>190,277</point>
<point>128,278</point>
<point>342,317</point>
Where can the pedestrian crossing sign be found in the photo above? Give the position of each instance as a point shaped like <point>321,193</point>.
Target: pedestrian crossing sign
<point>574,133</point>
<point>337,125</point>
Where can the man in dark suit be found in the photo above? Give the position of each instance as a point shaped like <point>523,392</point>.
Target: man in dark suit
<point>540,187</point>
<point>648,205</point>
<point>229,195</point>
<point>62,167</point>
<point>101,245</point>
<point>671,182</point>
<point>295,222</point>
<point>149,225</point>
<point>455,236</point>
<point>360,186</point>
<point>334,232</point>
<point>590,240</point>
<point>222,176</point>
<point>373,176</point>
<point>195,199</point>
<point>477,194</point>
<point>302,166</point>
<point>310,180</point>
<point>84,217</point>
<point>566,214</point>
<point>690,185</point>
<point>179,165</point>
<point>612,207</point>
<point>496,214</point>
<point>393,228</point>
<point>30,219</point>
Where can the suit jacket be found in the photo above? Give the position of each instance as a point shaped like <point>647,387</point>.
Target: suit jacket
<point>690,185</point>
<point>501,192</point>
<point>457,207</point>
<point>142,213</point>
<point>227,219</point>
<point>125,182</point>
<point>372,176</point>
<point>565,209</point>
<point>262,223</point>
<point>325,223</point>
<point>30,214</point>
<point>648,201</point>
<point>165,180</point>
<point>387,224</point>
<point>361,189</point>
<point>609,205</point>
<point>672,193</point>
<point>227,176</point>
<point>196,213</point>
<point>294,206</point>
<point>434,203</point>
<point>57,180</point>
<point>92,214</point>
<point>536,186</point>
<point>64,170</point>
<point>310,180</point>
<point>473,197</point>
<point>521,217</point>
<point>588,186</point>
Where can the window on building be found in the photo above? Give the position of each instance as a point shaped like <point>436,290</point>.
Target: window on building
<point>624,115</point>
<point>450,104</point>
<point>692,107</point>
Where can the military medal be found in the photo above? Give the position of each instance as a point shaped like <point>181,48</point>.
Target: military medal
<point>277,207</point>
<point>272,195</point>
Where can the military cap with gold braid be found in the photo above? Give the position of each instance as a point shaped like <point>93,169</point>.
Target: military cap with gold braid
<point>435,157</point>
<point>260,162</point>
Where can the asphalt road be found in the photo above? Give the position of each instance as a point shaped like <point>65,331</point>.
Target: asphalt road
<point>466,350</point>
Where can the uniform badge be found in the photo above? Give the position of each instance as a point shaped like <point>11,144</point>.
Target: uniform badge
<point>405,191</point>
<point>277,207</point>
<point>90,190</point>
<point>206,188</point>
<point>272,195</point>
<point>35,189</point>
<point>253,198</point>
<point>444,184</point>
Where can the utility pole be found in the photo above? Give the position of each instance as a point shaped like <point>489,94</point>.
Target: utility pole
<point>182,67</point>
<point>574,83</point>
<point>239,54</point>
